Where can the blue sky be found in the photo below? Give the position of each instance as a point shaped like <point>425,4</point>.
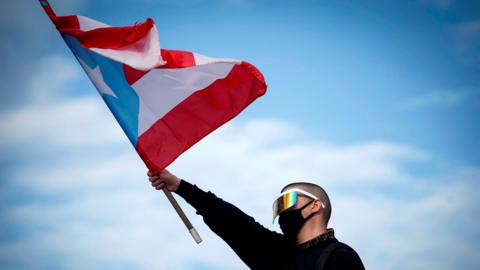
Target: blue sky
<point>378,101</point>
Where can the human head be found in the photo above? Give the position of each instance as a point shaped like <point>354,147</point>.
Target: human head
<point>319,192</point>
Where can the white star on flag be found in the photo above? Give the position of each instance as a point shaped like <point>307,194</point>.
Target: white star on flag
<point>97,78</point>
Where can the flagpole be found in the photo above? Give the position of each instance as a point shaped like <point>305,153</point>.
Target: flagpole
<point>51,14</point>
<point>182,216</point>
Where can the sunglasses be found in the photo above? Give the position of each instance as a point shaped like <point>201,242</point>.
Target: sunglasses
<point>288,199</point>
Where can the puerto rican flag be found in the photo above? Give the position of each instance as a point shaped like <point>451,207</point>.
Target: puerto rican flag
<point>164,100</point>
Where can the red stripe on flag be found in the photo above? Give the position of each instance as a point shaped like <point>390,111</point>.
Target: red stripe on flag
<point>115,37</point>
<point>106,37</point>
<point>132,75</point>
<point>177,59</point>
<point>67,24</point>
<point>198,115</point>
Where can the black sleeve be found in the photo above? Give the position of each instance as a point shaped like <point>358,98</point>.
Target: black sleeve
<point>253,243</point>
<point>344,258</point>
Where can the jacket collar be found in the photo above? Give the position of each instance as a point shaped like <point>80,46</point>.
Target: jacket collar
<point>329,234</point>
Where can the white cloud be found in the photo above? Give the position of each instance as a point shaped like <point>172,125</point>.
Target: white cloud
<point>53,118</point>
<point>408,231</point>
<point>25,33</point>
<point>52,76</point>
<point>77,122</point>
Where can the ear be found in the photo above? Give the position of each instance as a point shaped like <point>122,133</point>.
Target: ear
<point>316,206</point>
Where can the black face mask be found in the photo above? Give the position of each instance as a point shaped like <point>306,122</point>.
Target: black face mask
<point>291,221</point>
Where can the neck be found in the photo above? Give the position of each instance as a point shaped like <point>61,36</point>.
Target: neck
<point>310,230</point>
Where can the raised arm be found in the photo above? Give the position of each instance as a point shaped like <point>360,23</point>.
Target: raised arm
<point>257,246</point>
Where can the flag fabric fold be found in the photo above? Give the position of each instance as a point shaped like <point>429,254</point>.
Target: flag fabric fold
<point>164,100</point>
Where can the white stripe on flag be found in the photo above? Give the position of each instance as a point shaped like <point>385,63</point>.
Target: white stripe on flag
<point>160,90</point>
<point>201,59</point>
<point>87,24</point>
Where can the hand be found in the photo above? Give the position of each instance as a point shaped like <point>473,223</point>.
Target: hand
<point>164,179</point>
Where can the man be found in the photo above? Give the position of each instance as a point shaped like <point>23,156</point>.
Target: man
<point>303,210</point>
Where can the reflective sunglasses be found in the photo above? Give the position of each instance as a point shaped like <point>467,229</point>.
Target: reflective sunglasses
<point>288,199</point>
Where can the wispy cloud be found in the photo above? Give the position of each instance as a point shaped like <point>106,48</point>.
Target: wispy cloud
<point>441,99</point>
<point>26,32</point>
<point>52,77</point>
<point>50,116</point>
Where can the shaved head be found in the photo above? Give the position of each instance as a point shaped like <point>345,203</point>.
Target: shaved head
<point>319,192</point>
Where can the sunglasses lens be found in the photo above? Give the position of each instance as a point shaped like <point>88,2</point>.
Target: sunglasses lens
<point>284,202</point>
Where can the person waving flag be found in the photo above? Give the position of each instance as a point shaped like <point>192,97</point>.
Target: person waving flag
<point>164,100</point>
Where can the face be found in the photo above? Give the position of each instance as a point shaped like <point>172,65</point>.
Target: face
<point>301,201</point>
<point>295,198</point>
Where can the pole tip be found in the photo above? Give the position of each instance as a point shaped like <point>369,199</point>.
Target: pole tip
<point>195,235</point>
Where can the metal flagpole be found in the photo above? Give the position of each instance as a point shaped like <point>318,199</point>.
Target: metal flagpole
<point>51,14</point>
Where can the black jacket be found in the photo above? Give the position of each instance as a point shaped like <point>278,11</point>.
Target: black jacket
<point>257,246</point>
